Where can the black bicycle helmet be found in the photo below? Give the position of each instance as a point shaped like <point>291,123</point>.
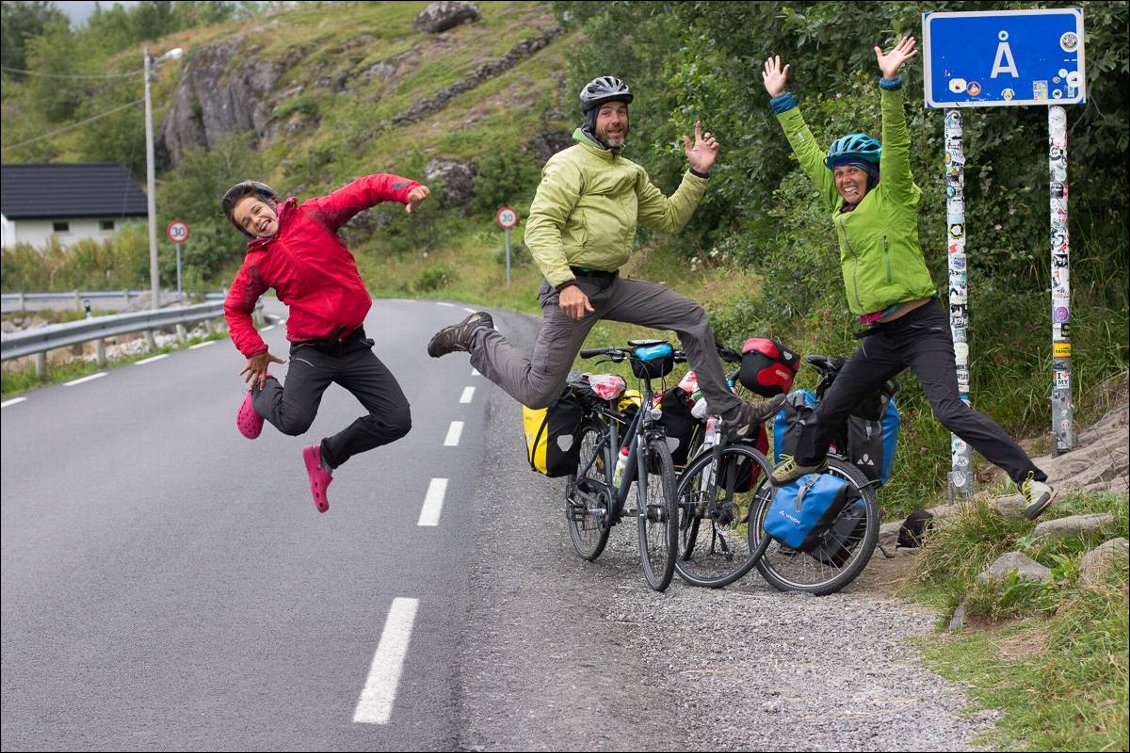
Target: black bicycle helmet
<point>242,190</point>
<point>604,89</point>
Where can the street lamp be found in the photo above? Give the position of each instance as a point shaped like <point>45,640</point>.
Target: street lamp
<point>150,174</point>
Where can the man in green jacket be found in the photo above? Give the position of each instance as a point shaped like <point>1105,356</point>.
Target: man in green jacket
<point>870,194</point>
<point>581,230</point>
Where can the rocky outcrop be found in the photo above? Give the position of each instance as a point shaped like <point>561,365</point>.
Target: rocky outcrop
<point>455,180</point>
<point>445,15</point>
<point>1095,563</point>
<point>1015,562</point>
<point>549,142</point>
<point>226,90</point>
<point>212,104</point>
<point>483,73</point>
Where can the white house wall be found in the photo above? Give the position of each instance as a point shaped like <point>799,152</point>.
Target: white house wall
<point>7,232</point>
<point>38,232</point>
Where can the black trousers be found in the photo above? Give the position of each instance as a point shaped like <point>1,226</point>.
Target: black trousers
<point>920,340</point>
<point>291,408</point>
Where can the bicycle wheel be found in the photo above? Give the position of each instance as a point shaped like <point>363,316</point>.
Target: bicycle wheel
<point>844,550</point>
<point>587,496</point>
<point>714,545</point>
<point>658,516</point>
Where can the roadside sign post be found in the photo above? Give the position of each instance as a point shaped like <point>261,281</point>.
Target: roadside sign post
<point>507,219</point>
<point>178,233</point>
<point>1006,59</point>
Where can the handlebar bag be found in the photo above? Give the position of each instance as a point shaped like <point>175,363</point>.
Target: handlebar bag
<point>768,368</point>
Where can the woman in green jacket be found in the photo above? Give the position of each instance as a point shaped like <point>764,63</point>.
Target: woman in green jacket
<point>870,193</point>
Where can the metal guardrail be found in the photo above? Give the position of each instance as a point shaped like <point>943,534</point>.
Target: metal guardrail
<point>98,328</point>
<point>80,297</point>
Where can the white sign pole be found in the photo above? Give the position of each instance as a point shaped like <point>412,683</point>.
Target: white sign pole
<point>961,454</point>
<point>1062,409</point>
<point>507,219</point>
<point>506,233</point>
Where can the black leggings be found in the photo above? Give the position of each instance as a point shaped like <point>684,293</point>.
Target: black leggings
<point>313,367</point>
<point>922,341</point>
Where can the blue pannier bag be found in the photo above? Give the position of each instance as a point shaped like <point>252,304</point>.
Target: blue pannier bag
<point>802,511</point>
<point>871,442</point>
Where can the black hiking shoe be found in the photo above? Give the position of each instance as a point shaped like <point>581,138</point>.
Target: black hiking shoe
<point>743,424</point>
<point>458,336</point>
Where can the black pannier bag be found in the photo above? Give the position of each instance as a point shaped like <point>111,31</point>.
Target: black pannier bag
<point>678,423</point>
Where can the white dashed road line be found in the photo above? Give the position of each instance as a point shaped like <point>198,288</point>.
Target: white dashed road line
<point>379,694</point>
<point>84,379</point>
<point>433,503</point>
<point>467,396</point>
<point>13,401</point>
<point>150,360</point>
<point>203,344</point>
<point>454,432</point>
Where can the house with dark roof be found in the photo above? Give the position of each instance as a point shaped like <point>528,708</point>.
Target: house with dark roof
<point>69,201</point>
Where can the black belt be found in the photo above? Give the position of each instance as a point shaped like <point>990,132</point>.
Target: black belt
<point>598,273</point>
<point>335,344</point>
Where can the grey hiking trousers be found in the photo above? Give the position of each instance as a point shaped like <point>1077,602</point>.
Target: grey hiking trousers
<point>535,381</point>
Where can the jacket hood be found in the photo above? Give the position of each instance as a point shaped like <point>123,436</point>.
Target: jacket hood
<point>584,138</point>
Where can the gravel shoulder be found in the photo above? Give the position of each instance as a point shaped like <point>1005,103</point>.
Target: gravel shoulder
<point>563,654</point>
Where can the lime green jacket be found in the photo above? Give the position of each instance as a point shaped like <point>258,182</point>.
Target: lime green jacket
<point>587,207</point>
<point>880,255</point>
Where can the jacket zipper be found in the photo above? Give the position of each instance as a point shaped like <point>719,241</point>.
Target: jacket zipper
<point>887,258</point>
<point>855,262</point>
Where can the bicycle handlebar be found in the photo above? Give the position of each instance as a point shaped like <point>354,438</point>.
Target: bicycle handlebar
<point>618,354</point>
<point>728,354</point>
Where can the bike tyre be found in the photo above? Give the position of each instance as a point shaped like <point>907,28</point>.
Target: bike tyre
<point>658,517</point>
<point>700,563</point>
<point>788,570</point>
<point>587,523</point>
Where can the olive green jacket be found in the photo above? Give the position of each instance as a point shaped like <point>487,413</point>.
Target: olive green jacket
<point>587,207</point>
<point>880,255</point>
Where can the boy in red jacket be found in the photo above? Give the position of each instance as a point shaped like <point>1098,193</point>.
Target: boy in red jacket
<point>295,249</point>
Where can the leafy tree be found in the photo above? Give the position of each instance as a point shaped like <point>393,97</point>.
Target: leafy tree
<point>20,21</point>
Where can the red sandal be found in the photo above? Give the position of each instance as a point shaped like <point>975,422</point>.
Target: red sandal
<point>320,475</point>
<point>249,422</point>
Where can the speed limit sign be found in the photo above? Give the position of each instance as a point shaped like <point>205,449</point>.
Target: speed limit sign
<point>507,218</point>
<point>178,231</point>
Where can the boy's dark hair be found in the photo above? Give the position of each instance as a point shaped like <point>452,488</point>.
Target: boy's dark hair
<point>242,190</point>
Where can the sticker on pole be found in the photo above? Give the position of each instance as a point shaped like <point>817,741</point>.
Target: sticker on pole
<point>507,218</point>
<point>178,231</point>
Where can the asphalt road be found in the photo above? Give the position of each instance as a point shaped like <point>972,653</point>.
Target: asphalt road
<point>168,584</point>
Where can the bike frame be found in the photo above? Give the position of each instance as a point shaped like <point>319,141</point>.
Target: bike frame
<point>636,434</point>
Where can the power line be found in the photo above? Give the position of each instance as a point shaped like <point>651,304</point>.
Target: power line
<point>63,75</point>
<point>72,125</point>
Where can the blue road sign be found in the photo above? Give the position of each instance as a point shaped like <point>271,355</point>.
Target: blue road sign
<point>1003,58</point>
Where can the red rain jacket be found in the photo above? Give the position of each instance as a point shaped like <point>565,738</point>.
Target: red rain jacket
<point>309,266</point>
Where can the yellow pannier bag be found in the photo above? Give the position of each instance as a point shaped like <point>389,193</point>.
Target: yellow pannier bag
<point>552,444</point>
